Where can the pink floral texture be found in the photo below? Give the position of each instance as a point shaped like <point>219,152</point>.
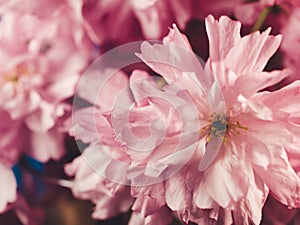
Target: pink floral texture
<point>41,60</point>
<point>8,187</point>
<point>10,144</point>
<point>239,143</point>
<point>257,131</point>
<point>291,44</point>
<point>136,19</point>
<point>101,172</point>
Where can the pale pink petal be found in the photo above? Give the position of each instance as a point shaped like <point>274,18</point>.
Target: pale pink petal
<point>110,198</point>
<point>107,206</point>
<point>44,117</point>
<point>22,104</point>
<point>146,205</point>
<point>104,90</point>
<point>161,217</point>
<point>151,18</point>
<point>252,53</point>
<point>273,160</point>
<point>90,126</point>
<point>290,96</point>
<point>221,44</point>
<point>179,192</point>
<point>202,198</point>
<point>174,57</point>
<point>258,81</point>
<point>251,206</point>
<point>47,145</point>
<point>230,174</point>
<point>8,187</point>
<point>288,194</point>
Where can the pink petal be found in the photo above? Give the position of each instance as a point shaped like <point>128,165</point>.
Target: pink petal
<point>174,57</point>
<point>146,205</point>
<point>221,44</point>
<point>90,126</point>
<point>258,81</point>
<point>103,90</point>
<point>231,174</point>
<point>148,12</point>
<point>290,96</point>
<point>252,52</point>
<point>277,173</point>
<point>8,187</point>
<point>53,149</point>
<point>161,217</point>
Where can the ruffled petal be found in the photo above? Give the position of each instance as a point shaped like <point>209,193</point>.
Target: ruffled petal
<point>222,36</point>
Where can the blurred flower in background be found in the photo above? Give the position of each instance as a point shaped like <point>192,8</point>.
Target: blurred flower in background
<point>59,166</point>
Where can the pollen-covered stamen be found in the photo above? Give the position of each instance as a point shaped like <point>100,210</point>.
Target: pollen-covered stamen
<point>220,126</point>
<point>235,126</point>
<point>15,77</point>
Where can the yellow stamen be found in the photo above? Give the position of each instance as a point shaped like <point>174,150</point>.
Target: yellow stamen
<point>220,127</point>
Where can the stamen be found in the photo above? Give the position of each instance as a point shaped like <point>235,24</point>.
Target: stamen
<point>220,127</point>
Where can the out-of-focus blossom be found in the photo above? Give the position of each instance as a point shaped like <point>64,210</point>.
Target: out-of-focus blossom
<point>41,60</point>
<point>8,187</point>
<point>42,56</point>
<point>10,144</point>
<point>291,44</point>
<point>136,20</point>
<point>216,7</point>
<point>265,12</point>
<point>24,213</point>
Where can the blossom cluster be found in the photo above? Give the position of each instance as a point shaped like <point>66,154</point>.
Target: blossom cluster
<point>182,111</point>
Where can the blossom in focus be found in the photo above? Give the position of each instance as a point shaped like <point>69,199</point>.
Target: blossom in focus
<point>235,146</point>
<point>253,135</point>
<point>97,173</point>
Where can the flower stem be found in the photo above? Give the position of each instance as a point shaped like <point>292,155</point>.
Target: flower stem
<point>261,19</point>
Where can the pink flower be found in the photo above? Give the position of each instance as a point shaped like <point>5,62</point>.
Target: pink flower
<point>252,135</point>
<point>291,44</point>
<point>110,198</point>
<point>179,139</point>
<point>216,7</point>
<point>137,19</point>
<point>103,171</point>
<point>42,59</point>
<point>161,217</point>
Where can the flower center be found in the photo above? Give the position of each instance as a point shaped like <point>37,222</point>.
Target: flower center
<point>222,127</point>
